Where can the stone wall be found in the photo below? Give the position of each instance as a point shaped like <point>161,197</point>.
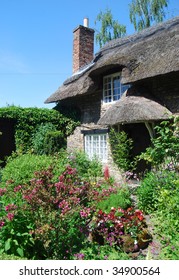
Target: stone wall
<point>164,88</point>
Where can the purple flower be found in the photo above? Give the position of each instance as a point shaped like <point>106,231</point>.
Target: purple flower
<point>79,256</point>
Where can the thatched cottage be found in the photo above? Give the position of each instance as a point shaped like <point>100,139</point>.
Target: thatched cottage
<point>130,84</point>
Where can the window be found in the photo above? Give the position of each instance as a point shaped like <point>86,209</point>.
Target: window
<point>112,88</point>
<point>96,146</point>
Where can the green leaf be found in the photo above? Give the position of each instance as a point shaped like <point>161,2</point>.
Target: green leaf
<point>8,244</point>
<point>20,252</point>
<point>15,242</point>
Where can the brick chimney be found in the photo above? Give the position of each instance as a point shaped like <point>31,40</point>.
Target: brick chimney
<point>83,45</point>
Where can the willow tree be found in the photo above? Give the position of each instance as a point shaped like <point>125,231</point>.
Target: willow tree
<point>110,28</point>
<point>144,13</point>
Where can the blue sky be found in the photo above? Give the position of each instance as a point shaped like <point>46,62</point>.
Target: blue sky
<point>36,44</point>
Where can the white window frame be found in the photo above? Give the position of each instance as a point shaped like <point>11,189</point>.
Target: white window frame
<point>108,88</point>
<point>95,146</point>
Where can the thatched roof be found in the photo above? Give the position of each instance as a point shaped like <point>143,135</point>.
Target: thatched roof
<point>134,109</point>
<point>152,52</point>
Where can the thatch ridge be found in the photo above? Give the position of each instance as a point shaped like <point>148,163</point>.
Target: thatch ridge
<point>151,52</point>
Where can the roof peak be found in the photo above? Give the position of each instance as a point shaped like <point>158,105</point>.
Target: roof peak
<point>147,32</point>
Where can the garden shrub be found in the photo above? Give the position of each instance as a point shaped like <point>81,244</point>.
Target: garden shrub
<point>55,219</point>
<point>46,216</point>
<point>54,141</point>
<point>164,150</point>
<point>121,199</point>
<point>86,168</point>
<point>28,120</point>
<point>47,140</point>
<point>153,187</point>
<point>20,169</point>
<point>39,137</point>
<point>166,221</point>
<point>159,191</point>
<point>121,147</point>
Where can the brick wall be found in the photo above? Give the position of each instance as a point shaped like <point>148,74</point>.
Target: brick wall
<point>83,47</point>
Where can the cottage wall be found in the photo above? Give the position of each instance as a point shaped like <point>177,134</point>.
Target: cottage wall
<point>164,88</point>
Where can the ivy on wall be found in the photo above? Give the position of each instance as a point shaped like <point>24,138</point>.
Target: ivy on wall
<point>28,120</point>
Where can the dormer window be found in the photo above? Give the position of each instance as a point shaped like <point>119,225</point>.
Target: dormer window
<point>112,88</point>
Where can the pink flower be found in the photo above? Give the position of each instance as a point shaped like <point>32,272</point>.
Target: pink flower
<point>10,216</point>
<point>79,256</point>
<point>85,212</point>
<point>2,191</point>
<point>106,173</point>
<point>1,224</point>
<point>10,207</point>
<point>64,206</point>
<point>16,189</point>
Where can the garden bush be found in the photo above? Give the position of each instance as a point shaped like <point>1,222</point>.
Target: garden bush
<point>20,169</point>
<point>27,121</point>
<point>159,196</point>
<point>164,150</point>
<point>121,198</point>
<point>154,187</point>
<point>121,147</point>
<point>46,218</point>
<point>48,140</point>
<point>54,141</point>
<point>87,169</point>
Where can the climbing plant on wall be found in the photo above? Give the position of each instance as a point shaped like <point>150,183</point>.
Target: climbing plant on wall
<point>28,120</point>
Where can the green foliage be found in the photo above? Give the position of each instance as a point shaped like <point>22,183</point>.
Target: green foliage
<point>4,256</point>
<point>47,140</point>
<point>159,196</point>
<point>121,147</point>
<point>144,13</point>
<point>121,199</point>
<point>110,28</point>
<point>20,169</point>
<point>165,146</point>
<point>93,251</point>
<point>29,119</point>
<point>38,138</point>
<point>88,169</point>
<point>157,189</point>
<point>48,210</point>
<point>166,221</point>
<point>45,219</point>
<point>54,141</point>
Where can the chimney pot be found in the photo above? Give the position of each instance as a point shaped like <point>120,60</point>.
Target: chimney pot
<point>86,22</point>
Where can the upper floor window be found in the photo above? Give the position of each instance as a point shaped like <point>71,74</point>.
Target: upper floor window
<point>112,88</point>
